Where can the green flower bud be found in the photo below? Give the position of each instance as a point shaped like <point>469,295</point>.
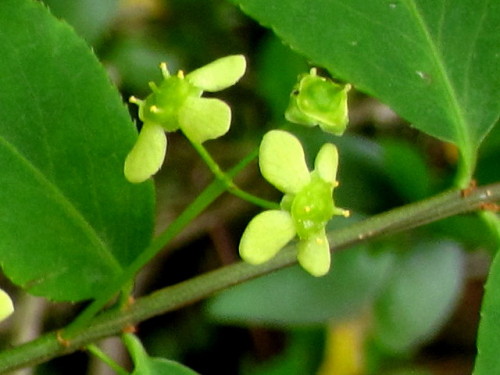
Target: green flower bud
<point>319,101</point>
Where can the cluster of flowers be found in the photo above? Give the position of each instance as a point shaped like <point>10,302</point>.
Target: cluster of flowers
<point>307,204</point>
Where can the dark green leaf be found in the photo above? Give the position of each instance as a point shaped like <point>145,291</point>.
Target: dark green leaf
<point>437,63</point>
<point>488,342</point>
<point>69,220</point>
<point>423,289</point>
<point>291,296</point>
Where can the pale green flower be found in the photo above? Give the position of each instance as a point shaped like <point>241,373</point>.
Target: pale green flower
<point>177,104</point>
<point>319,101</point>
<point>306,207</point>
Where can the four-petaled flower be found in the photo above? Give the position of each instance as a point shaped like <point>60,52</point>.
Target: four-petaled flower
<point>305,209</point>
<point>177,104</point>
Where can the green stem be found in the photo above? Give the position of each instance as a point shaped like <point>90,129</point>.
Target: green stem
<point>174,297</point>
<point>209,194</point>
<point>106,359</point>
<point>228,181</point>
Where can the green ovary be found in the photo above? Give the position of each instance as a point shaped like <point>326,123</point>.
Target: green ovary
<point>312,207</point>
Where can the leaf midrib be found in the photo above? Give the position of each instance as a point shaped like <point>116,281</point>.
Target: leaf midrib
<point>463,135</point>
<point>67,206</point>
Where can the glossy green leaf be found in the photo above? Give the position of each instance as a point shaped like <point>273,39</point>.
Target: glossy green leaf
<point>69,220</point>
<point>146,365</point>
<point>437,63</point>
<point>423,289</point>
<point>488,342</point>
<point>293,297</point>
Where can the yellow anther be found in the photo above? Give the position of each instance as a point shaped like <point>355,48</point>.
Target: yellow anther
<point>134,100</point>
<point>154,109</point>
<point>164,70</point>
<point>180,74</point>
<point>307,208</point>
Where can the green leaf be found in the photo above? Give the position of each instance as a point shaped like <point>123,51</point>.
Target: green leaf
<point>437,63</point>
<point>69,220</point>
<point>423,289</point>
<point>488,341</point>
<point>293,297</point>
<point>146,365</point>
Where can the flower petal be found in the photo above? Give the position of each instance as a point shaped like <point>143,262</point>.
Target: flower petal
<point>266,234</point>
<point>147,155</point>
<point>219,74</point>
<point>326,163</point>
<point>282,161</point>
<point>6,306</point>
<point>202,119</point>
<point>314,254</point>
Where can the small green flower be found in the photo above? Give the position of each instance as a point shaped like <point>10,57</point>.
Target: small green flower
<point>306,207</point>
<point>177,104</point>
<point>319,101</point>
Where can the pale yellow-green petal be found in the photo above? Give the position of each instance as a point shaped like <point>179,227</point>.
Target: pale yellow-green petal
<point>313,254</point>
<point>202,119</point>
<point>6,305</point>
<point>282,161</point>
<point>266,234</point>
<point>219,74</point>
<point>326,162</point>
<point>147,155</point>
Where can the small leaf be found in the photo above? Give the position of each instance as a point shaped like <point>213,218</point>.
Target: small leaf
<point>147,156</point>
<point>282,161</point>
<point>202,119</point>
<point>219,74</point>
<point>146,365</point>
<point>313,254</point>
<point>266,234</point>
